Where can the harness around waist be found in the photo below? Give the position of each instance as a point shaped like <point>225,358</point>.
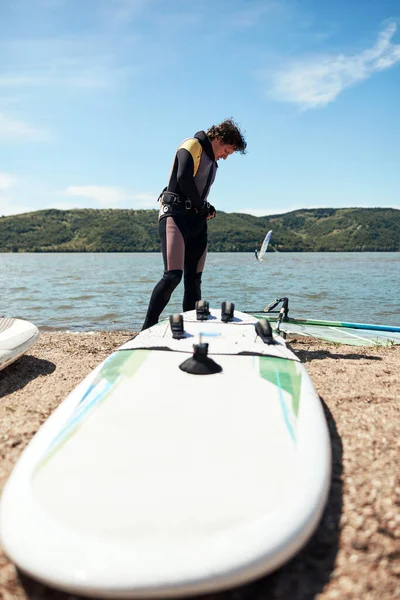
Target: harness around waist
<point>172,201</point>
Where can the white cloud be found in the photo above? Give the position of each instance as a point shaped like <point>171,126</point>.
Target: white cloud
<point>51,3</point>
<point>8,203</point>
<point>69,74</point>
<point>144,200</point>
<point>6,181</point>
<point>80,61</point>
<point>112,196</point>
<point>13,129</point>
<point>124,11</point>
<point>9,207</point>
<point>252,13</point>
<point>105,196</point>
<point>317,81</point>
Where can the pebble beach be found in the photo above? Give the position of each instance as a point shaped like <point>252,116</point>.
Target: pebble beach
<point>355,551</point>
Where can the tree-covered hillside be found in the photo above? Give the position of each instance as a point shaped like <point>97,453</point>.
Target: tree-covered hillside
<point>117,230</point>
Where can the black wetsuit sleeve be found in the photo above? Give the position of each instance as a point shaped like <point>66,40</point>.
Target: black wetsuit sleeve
<point>185,177</point>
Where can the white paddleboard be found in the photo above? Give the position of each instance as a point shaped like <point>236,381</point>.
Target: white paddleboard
<point>16,337</point>
<point>151,481</point>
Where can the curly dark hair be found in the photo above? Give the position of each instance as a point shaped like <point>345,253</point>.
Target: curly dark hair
<point>229,133</point>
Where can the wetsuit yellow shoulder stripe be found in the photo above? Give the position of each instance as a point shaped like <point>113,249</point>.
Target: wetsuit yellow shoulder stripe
<point>194,147</point>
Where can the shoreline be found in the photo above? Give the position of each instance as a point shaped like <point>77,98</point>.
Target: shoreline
<point>354,551</point>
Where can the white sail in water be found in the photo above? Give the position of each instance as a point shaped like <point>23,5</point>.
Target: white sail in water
<point>264,245</point>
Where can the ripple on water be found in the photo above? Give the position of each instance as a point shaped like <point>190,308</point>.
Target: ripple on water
<point>316,296</point>
<point>109,317</point>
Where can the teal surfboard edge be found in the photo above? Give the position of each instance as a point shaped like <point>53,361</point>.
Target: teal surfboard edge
<point>117,366</point>
<point>295,321</point>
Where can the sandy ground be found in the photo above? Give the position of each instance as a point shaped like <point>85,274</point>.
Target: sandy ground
<point>355,552</point>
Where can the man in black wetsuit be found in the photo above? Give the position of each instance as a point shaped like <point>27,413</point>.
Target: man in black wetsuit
<point>184,212</point>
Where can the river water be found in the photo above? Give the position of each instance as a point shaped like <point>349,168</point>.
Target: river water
<point>110,291</point>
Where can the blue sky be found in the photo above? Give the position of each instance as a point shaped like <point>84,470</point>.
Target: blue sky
<point>96,95</point>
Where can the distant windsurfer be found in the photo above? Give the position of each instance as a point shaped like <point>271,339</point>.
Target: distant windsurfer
<point>260,254</point>
<point>256,253</point>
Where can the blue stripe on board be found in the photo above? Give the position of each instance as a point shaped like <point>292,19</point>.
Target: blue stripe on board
<point>100,391</point>
<point>393,329</point>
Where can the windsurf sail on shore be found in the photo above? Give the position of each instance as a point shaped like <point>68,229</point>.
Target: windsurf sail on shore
<point>342,332</point>
<point>264,246</point>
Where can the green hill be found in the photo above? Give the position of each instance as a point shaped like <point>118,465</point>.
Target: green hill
<point>117,230</point>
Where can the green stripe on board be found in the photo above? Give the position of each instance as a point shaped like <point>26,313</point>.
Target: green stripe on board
<point>289,377</point>
<point>123,362</point>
